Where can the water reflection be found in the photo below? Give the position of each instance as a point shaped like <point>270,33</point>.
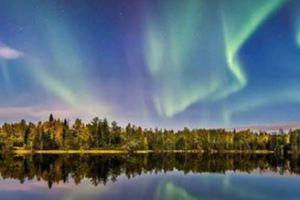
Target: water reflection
<point>149,176</point>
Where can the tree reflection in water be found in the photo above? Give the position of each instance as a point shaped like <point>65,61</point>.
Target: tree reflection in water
<point>101,169</point>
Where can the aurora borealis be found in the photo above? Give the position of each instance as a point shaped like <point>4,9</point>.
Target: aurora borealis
<point>172,63</point>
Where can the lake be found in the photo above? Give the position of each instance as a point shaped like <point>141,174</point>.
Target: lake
<point>150,176</point>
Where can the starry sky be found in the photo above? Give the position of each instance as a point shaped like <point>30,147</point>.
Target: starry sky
<point>169,64</point>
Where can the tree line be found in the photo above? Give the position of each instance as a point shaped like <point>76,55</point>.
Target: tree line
<point>100,134</point>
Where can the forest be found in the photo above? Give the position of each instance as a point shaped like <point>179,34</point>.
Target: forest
<point>100,134</point>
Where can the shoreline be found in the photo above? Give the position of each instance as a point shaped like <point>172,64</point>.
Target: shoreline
<point>113,151</point>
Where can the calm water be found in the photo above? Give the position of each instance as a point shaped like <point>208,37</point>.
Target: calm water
<point>160,177</point>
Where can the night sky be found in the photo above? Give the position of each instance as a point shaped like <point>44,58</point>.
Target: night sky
<point>155,63</point>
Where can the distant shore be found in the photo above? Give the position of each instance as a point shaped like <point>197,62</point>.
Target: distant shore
<point>56,136</point>
<point>114,151</point>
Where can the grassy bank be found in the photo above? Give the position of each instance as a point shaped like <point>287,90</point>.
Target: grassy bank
<point>70,151</point>
<point>113,151</point>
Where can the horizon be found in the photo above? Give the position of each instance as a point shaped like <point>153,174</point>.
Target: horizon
<point>254,127</point>
<point>171,64</point>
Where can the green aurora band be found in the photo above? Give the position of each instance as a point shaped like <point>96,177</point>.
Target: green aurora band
<point>170,44</point>
<point>240,20</point>
<point>67,79</point>
<point>167,52</point>
<point>298,37</point>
